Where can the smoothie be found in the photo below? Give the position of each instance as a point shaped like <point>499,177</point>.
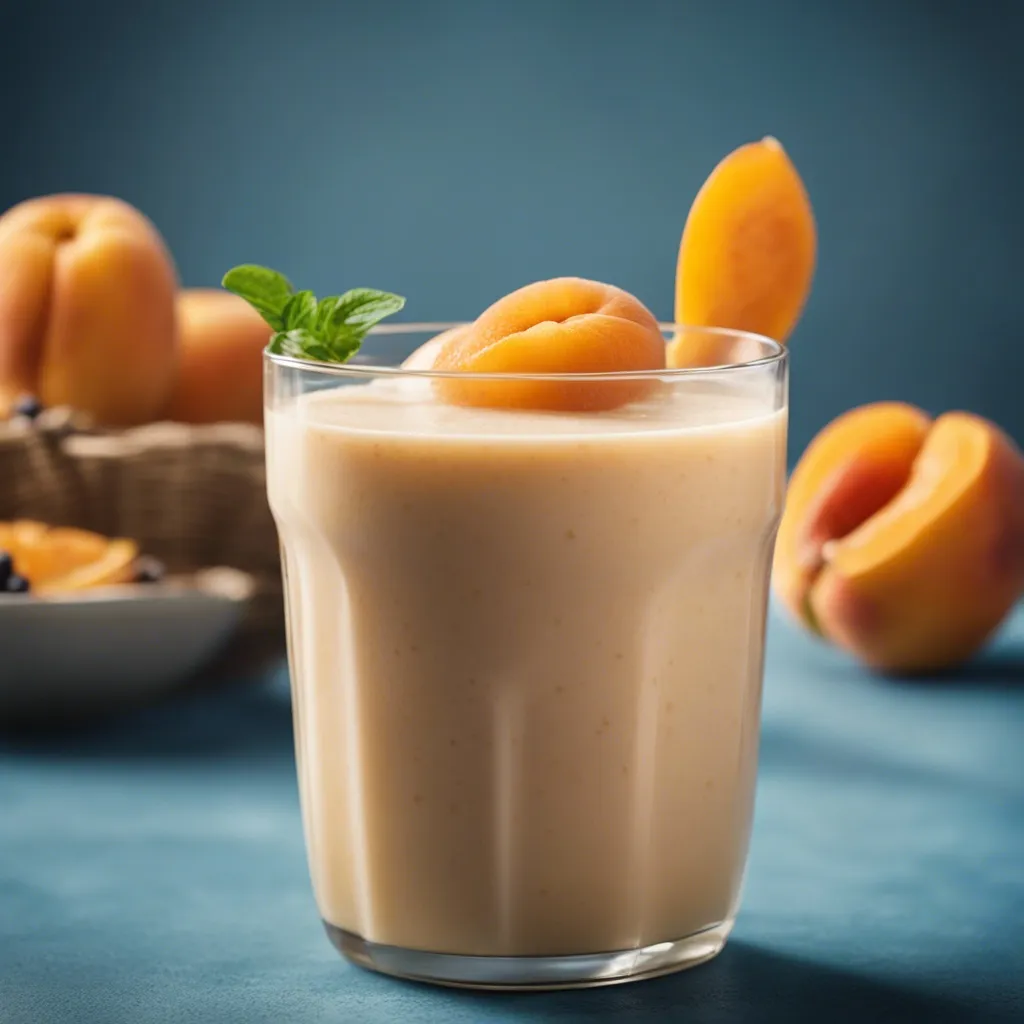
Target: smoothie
<point>526,651</point>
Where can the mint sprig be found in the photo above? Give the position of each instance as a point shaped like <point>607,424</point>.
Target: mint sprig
<point>328,331</point>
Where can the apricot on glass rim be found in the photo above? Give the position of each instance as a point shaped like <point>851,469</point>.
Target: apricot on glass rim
<point>566,326</point>
<point>747,254</point>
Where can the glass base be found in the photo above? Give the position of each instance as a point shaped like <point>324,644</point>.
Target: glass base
<point>532,972</point>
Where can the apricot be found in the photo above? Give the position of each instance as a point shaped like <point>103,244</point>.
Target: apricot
<point>220,362</point>
<point>57,560</point>
<point>86,308</point>
<point>854,467</point>
<point>902,539</point>
<point>748,251</point>
<point>567,325</point>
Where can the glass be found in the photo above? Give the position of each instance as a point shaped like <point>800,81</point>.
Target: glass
<point>526,655</point>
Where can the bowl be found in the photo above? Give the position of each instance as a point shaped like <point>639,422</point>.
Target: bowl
<point>192,496</point>
<point>68,656</point>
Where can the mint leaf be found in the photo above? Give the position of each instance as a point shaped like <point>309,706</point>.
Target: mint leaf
<point>325,312</point>
<point>300,311</point>
<point>300,344</point>
<point>345,343</point>
<point>364,307</point>
<point>265,290</point>
<point>328,331</point>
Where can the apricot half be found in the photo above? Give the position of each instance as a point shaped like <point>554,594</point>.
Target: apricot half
<point>564,326</point>
<point>747,255</point>
<point>902,539</point>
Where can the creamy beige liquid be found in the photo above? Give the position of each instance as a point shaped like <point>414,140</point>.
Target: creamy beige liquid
<point>526,652</point>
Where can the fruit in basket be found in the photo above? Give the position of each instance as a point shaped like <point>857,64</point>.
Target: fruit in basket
<point>86,309</point>
<point>60,559</point>
<point>220,360</point>
<point>747,255</point>
<point>902,539</point>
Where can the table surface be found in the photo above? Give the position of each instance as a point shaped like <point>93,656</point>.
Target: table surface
<point>152,869</point>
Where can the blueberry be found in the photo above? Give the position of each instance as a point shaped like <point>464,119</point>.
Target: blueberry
<point>6,568</point>
<point>16,584</point>
<point>149,570</point>
<point>28,406</point>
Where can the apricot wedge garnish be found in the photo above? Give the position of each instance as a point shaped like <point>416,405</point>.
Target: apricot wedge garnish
<point>564,326</point>
<point>902,540</point>
<point>748,251</point>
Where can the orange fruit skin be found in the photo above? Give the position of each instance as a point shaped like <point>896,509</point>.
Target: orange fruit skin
<point>219,378</point>
<point>902,539</point>
<point>566,325</point>
<point>86,308</point>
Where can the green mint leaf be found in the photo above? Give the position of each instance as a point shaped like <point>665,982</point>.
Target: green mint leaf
<point>301,344</point>
<point>265,290</point>
<point>345,343</point>
<point>329,331</point>
<point>325,314</point>
<point>300,311</point>
<point>364,307</point>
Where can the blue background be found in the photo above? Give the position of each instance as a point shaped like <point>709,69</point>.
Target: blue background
<point>455,149</point>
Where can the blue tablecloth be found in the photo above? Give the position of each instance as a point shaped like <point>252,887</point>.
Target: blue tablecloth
<point>152,869</point>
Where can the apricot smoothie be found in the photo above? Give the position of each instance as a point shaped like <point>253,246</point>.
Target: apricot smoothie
<point>526,569</point>
<point>526,649</point>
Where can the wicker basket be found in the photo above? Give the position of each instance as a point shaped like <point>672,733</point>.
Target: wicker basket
<point>192,496</point>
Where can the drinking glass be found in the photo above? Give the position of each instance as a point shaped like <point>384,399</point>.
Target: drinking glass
<point>526,654</point>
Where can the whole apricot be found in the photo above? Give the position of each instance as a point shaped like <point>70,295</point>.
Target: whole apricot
<point>86,308</point>
<point>220,366</point>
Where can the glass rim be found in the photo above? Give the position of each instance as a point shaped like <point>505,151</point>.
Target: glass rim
<point>777,354</point>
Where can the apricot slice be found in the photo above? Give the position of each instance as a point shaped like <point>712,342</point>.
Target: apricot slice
<point>923,580</point>
<point>748,251</point>
<point>115,565</point>
<point>566,325</point>
<point>60,559</point>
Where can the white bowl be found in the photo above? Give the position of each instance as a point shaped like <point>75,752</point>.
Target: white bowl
<point>62,656</point>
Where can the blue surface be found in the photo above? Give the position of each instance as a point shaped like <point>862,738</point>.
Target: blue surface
<point>152,870</point>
